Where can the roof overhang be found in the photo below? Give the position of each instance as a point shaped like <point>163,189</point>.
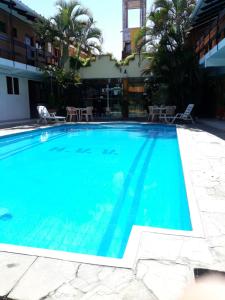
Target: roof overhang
<point>19,69</point>
<point>19,9</point>
<point>206,11</point>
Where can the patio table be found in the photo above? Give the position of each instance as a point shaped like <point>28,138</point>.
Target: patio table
<point>156,111</point>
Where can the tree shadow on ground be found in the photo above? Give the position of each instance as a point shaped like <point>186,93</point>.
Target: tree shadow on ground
<point>206,128</point>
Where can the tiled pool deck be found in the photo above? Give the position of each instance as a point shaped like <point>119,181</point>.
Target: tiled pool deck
<point>165,262</point>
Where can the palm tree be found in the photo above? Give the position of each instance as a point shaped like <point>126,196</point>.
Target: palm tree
<point>67,23</point>
<point>88,40</point>
<point>171,58</point>
<point>166,24</point>
<point>72,25</point>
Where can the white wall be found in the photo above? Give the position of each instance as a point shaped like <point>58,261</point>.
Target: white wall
<point>14,107</point>
<point>104,67</point>
<point>135,67</point>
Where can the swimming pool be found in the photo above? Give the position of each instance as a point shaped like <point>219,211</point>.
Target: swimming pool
<point>81,188</point>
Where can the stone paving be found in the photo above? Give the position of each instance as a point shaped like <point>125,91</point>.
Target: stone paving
<point>165,262</point>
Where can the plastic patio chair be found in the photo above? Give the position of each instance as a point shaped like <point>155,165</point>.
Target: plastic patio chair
<point>87,112</point>
<point>151,114</point>
<point>72,111</point>
<point>45,116</point>
<point>185,116</point>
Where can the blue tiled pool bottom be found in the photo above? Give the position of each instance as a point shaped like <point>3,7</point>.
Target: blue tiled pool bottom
<point>81,188</point>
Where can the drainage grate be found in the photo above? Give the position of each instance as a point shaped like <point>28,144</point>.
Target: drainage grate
<point>199,272</point>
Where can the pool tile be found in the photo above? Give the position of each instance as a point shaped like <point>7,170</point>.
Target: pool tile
<point>160,246</point>
<point>12,268</point>
<point>45,276</point>
<point>166,279</point>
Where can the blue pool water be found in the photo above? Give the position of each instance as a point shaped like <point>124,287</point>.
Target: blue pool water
<point>81,188</point>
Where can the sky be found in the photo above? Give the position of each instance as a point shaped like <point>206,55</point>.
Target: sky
<point>106,13</point>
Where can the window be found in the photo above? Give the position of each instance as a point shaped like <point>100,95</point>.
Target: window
<point>134,18</point>
<point>9,85</point>
<point>127,47</point>
<point>2,27</point>
<point>38,45</point>
<point>28,40</point>
<point>16,86</point>
<point>14,32</point>
<point>12,85</point>
<point>57,53</point>
<point>49,47</point>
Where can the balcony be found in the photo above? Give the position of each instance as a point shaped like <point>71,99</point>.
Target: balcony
<point>215,57</point>
<point>210,48</point>
<point>16,51</point>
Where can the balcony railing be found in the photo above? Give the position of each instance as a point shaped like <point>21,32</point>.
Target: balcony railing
<point>20,52</point>
<point>214,35</point>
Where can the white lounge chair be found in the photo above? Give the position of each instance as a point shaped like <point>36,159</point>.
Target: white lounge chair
<point>186,116</point>
<point>45,116</point>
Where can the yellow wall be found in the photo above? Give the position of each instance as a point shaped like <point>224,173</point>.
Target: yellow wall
<point>133,33</point>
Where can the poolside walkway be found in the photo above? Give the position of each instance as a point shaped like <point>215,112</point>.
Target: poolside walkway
<point>165,262</point>
<point>213,123</point>
<point>7,124</point>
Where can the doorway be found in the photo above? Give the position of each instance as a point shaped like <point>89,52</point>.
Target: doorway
<point>34,88</point>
